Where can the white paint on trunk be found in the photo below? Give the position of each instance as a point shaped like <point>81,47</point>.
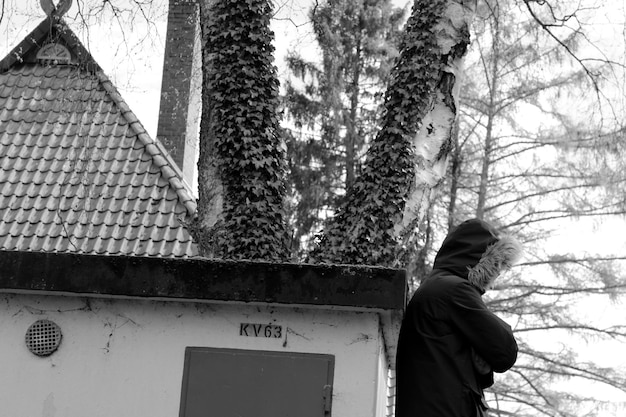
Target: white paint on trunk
<point>454,24</point>
<point>437,124</point>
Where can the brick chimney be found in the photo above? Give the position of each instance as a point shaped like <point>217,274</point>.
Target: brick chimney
<point>179,112</point>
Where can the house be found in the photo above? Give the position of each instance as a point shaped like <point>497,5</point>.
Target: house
<point>106,308</point>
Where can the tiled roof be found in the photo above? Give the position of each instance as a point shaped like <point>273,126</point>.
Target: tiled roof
<point>78,172</point>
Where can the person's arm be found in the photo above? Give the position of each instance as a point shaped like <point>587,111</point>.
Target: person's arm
<point>491,337</point>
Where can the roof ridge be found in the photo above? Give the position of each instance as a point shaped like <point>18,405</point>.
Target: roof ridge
<point>154,147</point>
<point>41,32</point>
<point>93,214</point>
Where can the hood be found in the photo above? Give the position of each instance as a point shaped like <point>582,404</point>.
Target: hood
<point>474,250</point>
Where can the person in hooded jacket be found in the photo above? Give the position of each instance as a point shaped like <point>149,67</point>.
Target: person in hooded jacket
<point>450,344</point>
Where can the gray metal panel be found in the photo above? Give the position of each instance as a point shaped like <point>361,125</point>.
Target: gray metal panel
<point>246,383</point>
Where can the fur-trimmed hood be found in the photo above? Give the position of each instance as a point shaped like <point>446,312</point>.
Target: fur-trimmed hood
<point>474,250</point>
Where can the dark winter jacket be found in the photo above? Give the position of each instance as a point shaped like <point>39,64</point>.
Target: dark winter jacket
<point>447,328</point>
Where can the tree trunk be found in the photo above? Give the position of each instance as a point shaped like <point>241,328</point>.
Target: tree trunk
<point>351,134</point>
<point>242,161</point>
<point>455,173</point>
<point>491,113</point>
<point>409,155</point>
<point>210,187</point>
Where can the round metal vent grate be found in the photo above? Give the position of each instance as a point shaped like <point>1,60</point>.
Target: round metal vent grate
<point>43,337</point>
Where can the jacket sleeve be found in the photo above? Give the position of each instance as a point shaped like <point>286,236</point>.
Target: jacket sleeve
<point>490,336</point>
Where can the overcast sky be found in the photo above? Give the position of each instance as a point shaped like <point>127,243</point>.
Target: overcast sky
<point>131,51</point>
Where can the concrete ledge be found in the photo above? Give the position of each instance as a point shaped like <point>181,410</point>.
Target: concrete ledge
<point>204,279</point>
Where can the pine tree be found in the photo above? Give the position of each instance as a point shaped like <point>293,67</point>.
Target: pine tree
<point>334,104</point>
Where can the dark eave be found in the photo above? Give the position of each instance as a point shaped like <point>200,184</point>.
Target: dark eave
<point>345,286</point>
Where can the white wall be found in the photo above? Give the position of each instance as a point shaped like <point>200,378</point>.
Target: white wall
<point>123,357</point>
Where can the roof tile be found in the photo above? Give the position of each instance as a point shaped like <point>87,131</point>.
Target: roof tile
<point>78,172</point>
<point>74,174</point>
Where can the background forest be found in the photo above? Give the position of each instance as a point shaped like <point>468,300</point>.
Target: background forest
<point>537,150</point>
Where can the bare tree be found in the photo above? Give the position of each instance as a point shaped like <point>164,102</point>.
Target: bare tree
<point>526,160</point>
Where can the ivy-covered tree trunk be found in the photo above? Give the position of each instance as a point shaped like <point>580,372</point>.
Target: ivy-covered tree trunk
<point>242,162</point>
<point>408,157</point>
